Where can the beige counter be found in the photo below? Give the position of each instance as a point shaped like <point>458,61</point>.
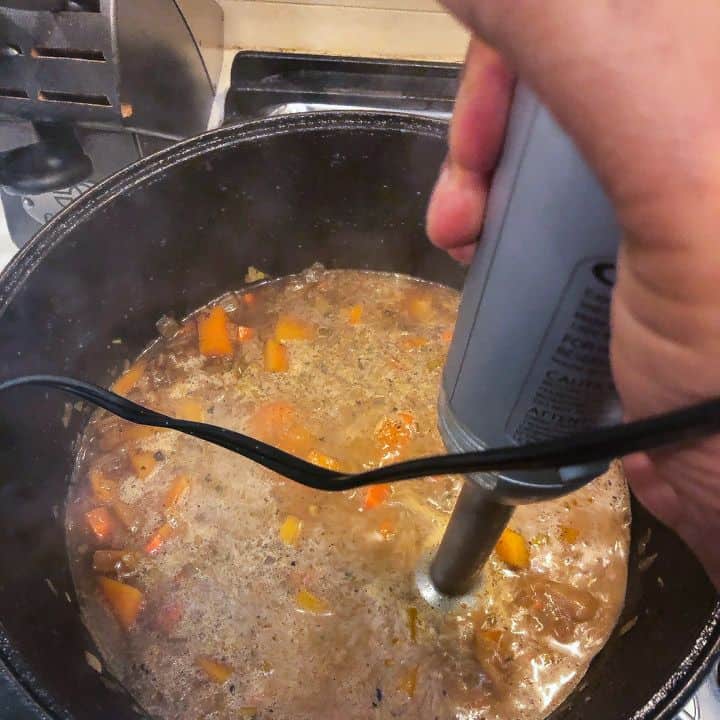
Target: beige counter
<point>412,29</point>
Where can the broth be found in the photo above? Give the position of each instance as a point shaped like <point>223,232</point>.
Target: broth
<point>216,589</point>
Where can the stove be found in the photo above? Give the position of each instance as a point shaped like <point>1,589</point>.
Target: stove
<point>259,84</point>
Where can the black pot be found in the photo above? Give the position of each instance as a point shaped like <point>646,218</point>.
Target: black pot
<point>165,236</point>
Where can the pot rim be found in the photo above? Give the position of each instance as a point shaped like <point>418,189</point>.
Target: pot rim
<point>667,701</point>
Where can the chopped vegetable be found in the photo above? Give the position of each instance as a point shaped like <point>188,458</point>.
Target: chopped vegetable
<point>412,623</point>
<point>249,298</point>
<point>420,308</point>
<point>217,671</point>
<point>189,409</point>
<point>125,514</point>
<point>278,423</point>
<point>408,682</point>
<point>292,328</point>
<point>214,334</point>
<point>490,636</point>
<point>254,275</point>
<point>376,495</point>
<point>125,383</point>
<point>105,561</point>
<point>309,603</point>
<point>143,463</point>
<point>513,550</point>
<point>393,434</point>
<point>245,333</point>
<point>355,314</point>
<point>125,601</point>
<point>104,488</point>
<point>569,535</point>
<point>178,493</point>
<point>101,523</point>
<point>318,458</point>
<point>290,529</point>
<point>168,616</point>
<point>159,538</point>
<point>387,529</point>
<point>276,356</point>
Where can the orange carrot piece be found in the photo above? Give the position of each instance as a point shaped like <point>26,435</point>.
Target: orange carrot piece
<point>125,383</point>
<point>513,550</point>
<point>217,671</point>
<point>143,463</point>
<point>376,495</point>
<point>101,523</point>
<point>214,334</point>
<point>355,314</point>
<point>104,489</point>
<point>125,601</point>
<point>276,356</point>
<point>189,409</point>
<point>249,298</point>
<point>178,493</point>
<point>420,308</point>
<point>489,636</point>
<point>291,328</point>
<point>159,538</point>
<point>245,333</point>
<point>326,461</point>
<point>393,434</point>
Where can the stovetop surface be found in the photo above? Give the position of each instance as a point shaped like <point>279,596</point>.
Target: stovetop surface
<point>264,84</point>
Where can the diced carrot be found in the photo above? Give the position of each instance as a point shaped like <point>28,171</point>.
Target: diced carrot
<point>318,458</point>
<point>289,327</point>
<point>376,495</point>
<point>413,342</point>
<point>178,493</point>
<point>276,356</point>
<point>125,600</point>
<point>125,514</point>
<point>355,314</point>
<point>412,623</point>
<point>168,616</point>
<point>159,538</point>
<point>213,334</point>
<point>513,550</point>
<point>101,523</point>
<point>105,561</point>
<point>249,298</point>
<point>189,409</point>
<point>309,603</point>
<point>420,308</point>
<point>104,488</point>
<point>245,333</point>
<point>569,535</point>
<point>143,463</point>
<point>447,336</point>
<point>408,682</point>
<point>387,529</point>
<point>290,530</point>
<point>125,383</point>
<point>217,671</point>
<point>490,636</point>
<point>393,434</point>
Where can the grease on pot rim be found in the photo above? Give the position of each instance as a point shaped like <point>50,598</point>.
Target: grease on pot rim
<point>213,586</point>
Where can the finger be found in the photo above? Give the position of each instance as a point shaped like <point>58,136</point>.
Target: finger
<point>457,205</point>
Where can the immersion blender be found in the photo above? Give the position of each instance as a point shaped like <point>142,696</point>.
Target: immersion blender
<point>529,358</point>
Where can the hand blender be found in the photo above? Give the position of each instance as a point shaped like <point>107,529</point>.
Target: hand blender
<point>529,360</point>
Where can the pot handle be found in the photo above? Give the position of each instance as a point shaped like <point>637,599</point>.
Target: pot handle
<point>56,161</point>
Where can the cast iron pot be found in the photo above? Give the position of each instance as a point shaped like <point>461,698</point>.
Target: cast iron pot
<point>165,236</point>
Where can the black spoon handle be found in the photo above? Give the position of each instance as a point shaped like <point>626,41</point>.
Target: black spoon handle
<point>678,426</point>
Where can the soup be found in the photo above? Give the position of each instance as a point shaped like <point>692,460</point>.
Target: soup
<point>217,589</point>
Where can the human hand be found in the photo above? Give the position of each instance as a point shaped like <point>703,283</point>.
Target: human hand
<point>631,83</point>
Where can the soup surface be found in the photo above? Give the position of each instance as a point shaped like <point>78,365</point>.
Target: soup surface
<point>216,589</point>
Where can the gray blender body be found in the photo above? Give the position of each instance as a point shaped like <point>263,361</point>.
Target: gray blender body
<point>529,360</point>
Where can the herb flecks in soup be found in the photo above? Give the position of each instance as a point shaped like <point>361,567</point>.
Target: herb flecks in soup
<point>216,589</point>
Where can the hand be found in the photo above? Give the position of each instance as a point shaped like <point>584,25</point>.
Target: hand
<point>631,82</point>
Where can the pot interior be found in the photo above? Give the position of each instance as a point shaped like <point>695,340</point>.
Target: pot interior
<point>164,237</point>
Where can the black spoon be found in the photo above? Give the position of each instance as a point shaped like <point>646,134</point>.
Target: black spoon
<point>603,444</point>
